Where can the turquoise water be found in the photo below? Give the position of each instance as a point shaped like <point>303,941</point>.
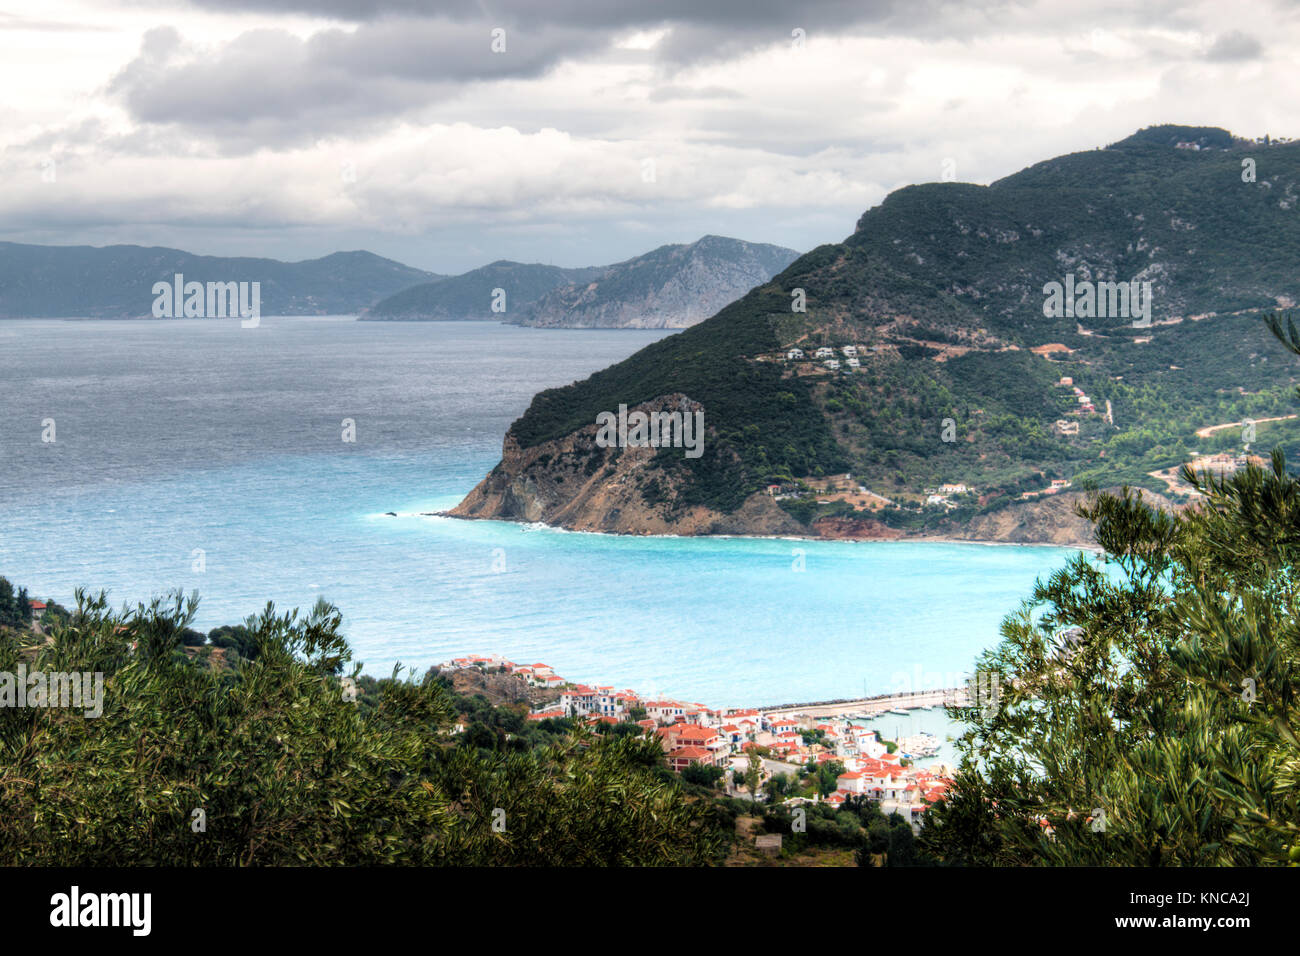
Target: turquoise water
<point>185,435</point>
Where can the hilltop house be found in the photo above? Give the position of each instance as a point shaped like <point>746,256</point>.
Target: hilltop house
<point>824,353</point>
<point>794,354</point>
<point>581,701</point>
<point>478,660</point>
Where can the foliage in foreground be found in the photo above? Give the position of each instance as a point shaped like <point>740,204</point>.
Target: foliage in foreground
<point>285,769</point>
<point>1146,711</point>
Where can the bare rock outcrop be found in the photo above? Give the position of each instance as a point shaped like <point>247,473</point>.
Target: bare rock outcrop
<point>573,483</point>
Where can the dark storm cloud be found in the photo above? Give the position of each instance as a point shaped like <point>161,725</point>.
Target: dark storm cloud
<point>588,14</point>
<point>279,86</point>
<point>701,29</point>
<point>1234,46</point>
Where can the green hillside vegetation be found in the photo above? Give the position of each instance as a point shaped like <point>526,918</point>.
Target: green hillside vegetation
<point>755,414</point>
<point>1221,244</point>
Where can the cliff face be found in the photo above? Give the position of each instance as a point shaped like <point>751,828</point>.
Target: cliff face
<point>573,483</point>
<point>499,689</point>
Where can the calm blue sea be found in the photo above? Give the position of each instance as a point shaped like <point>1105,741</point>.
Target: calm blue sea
<point>186,436</point>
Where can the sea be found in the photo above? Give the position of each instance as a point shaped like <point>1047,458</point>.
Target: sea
<point>302,458</point>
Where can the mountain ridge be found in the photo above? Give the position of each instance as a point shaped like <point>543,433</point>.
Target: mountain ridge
<point>473,295</point>
<point>673,286</point>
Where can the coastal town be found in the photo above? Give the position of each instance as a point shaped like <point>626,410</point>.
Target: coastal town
<point>787,740</point>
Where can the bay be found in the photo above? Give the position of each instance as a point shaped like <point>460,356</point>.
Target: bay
<point>196,443</point>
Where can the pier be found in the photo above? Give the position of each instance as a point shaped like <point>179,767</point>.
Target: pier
<point>871,706</point>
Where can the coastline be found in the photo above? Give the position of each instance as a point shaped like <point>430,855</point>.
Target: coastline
<point>901,538</point>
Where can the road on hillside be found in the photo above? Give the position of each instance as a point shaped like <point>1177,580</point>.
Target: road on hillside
<point>1209,430</point>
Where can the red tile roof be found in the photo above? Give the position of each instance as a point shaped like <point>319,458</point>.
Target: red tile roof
<point>692,753</point>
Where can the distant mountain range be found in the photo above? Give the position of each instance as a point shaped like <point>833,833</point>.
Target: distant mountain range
<point>948,356</point>
<point>117,281</point>
<point>671,287</point>
<point>471,295</point>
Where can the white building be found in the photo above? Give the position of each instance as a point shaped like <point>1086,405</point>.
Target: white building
<point>665,711</point>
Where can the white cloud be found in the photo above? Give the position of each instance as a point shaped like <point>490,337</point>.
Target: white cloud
<point>228,134</point>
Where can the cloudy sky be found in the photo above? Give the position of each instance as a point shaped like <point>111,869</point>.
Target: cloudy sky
<point>598,129</point>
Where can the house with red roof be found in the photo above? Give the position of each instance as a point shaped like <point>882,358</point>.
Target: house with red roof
<point>784,726</point>
<point>580,700</point>
<point>682,757</point>
<point>851,781</point>
<point>665,711</point>
<point>546,714</point>
<point>694,737</point>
